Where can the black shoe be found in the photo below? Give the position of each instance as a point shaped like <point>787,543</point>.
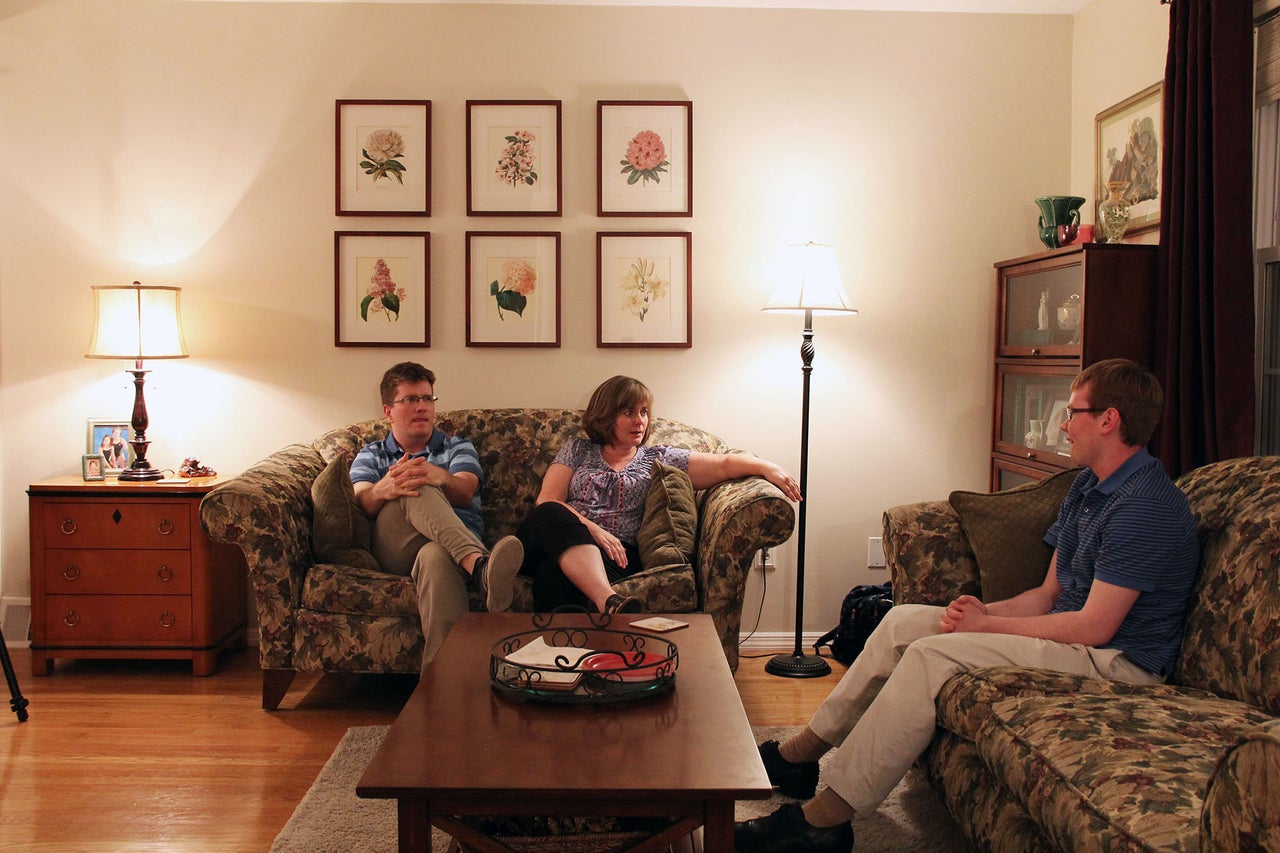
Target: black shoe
<point>794,779</point>
<point>786,831</point>
<point>617,603</point>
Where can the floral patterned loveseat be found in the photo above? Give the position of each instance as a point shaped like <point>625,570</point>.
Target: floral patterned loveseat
<point>325,617</point>
<point>1028,760</point>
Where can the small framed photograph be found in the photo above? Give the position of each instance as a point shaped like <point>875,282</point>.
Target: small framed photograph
<point>644,289</point>
<point>513,158</point>
<point>381,289</point>
<point>513,289</point>
<point>110,440</point>
<point>644,157</point>
<point>92,467</point>
<point>382,158</point>
<point>1127,148</point>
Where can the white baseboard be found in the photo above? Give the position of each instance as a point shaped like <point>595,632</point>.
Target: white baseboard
<point>777,641</point>
<point>15,621</point>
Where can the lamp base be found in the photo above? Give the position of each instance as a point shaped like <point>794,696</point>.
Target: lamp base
<point>140,474</point>
<point>798,666</point>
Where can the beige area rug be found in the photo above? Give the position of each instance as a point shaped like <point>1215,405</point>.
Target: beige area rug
<point>332,818</point>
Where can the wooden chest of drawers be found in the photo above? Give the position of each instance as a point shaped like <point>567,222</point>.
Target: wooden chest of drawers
<point>123,570</point>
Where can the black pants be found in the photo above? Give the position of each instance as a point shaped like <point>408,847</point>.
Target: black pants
<point>546,533</point>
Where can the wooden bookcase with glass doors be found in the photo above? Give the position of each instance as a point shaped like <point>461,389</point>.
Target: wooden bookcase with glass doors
<point>1056,313</point>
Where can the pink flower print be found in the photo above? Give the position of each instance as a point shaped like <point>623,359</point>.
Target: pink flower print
<point>518,280</point>
<point>516,164</point>
<point>646,158</point>
<point>383,294</point>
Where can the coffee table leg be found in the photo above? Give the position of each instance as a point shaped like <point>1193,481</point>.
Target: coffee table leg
<point>717,830</point>
<point>415,831</point>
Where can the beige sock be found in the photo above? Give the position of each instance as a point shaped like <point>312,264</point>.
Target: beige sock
<point>803,746</point>
<point>827,809</point>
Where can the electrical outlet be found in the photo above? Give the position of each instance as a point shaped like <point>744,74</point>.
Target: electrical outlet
<point>875,553</point>
<point>765,562</point>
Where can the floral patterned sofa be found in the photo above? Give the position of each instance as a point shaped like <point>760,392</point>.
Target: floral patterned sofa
<point>1028,760</point>
<point>323,618</point>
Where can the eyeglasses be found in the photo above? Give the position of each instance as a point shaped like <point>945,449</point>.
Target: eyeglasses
<point>415,399</point>
<point>1071,413</point>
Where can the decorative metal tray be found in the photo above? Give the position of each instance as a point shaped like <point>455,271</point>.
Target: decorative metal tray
<point>575,663</point>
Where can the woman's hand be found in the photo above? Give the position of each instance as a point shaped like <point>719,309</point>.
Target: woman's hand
<point>784,481</point>
<point>609,544</point>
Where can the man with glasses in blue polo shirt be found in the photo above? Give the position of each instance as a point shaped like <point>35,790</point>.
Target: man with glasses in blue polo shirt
<point>422,487</point>
<point>1112,606</point>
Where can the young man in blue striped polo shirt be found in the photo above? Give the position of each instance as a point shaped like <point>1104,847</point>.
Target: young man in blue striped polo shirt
<point>1112,606</point>
<point>422,487</point>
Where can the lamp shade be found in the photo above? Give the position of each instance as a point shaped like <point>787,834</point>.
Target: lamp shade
<point>137,322</point>
<point>811,283</point>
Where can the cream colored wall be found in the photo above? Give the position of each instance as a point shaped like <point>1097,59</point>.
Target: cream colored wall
<point>191,144</point>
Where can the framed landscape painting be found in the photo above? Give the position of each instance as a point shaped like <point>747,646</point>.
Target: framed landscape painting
<point>513,158</point>
<point>1128,139</point>
<point>644,289</point>
<point>381,289</point>
<point>382,158</point>
<point>644,158</point>
<point>513,289</point>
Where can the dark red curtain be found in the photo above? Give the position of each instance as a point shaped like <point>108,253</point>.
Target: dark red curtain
<point>1205,305</point>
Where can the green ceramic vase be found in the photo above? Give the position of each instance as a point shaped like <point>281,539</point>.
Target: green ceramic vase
<point>1056,210</point>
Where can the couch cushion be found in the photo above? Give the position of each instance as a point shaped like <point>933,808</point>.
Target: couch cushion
<point>361,592</point>
<point>340,531</point>
<point>667,531</point>
<point>1006,530</point>
<point>1127,772</point>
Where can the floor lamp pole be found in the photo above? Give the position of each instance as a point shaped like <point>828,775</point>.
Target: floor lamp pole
<point>798,664</point>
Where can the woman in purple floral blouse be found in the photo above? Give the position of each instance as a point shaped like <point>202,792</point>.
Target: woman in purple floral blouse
<point>581,536</point>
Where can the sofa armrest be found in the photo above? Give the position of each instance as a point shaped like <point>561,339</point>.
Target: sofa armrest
<point>267,512</point>
<point>1242,800</point>
<point>928,555</point>
<point>736,519</point>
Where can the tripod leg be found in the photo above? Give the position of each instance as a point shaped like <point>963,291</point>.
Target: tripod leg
<point>18,703</point>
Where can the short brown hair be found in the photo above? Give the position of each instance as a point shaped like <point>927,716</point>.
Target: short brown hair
<point>1130,389</point>
<point>612,396</point>
<point>405,371</point>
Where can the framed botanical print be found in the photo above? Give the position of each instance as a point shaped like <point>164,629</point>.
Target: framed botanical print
<point>644,158</point>
<point>513,158</point>
<point>381,289</point>
<point>382,158</point>
<point>513,288</point>
<point>644,289</point>
<point>1128,148</point>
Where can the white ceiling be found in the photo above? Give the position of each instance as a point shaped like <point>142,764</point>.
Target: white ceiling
<point>1020,7</point>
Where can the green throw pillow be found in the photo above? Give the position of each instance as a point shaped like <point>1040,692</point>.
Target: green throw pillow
<point>1006,531</point>
<point>666,536</point>
<point>340,533</point>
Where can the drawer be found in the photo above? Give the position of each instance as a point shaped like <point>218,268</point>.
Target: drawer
<point>109,572</point>
<point>132,619</point>
<point>116,524</point>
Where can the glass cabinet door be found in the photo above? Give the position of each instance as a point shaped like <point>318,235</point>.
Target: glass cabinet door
<point>1041,306</point>
<point>1032,404</point>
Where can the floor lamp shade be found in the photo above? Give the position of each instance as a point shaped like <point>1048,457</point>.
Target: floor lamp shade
<point>137,323</point>
<point>811,285</point>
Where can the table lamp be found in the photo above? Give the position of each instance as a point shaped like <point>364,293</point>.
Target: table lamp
<point>811,286</point>
<point>137,322</point>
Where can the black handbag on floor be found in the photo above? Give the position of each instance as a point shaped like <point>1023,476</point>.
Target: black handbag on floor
<point>860,612</point>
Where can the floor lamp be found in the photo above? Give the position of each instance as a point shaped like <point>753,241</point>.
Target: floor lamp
<point>136,322</point>
<point>811,286</point>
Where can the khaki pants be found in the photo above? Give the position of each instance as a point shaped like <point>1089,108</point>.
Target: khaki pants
<point>880,717</point>
<point>423,537</point>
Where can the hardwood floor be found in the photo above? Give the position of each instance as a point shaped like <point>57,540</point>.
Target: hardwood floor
<point>140,755</point>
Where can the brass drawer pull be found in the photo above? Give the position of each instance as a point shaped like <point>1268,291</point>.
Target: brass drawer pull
<point>168,620</point>
<point>71,572</point>
<point>71,618</point>
<point>68,527</point>
<point>165,574</point>
<point>165,527</point>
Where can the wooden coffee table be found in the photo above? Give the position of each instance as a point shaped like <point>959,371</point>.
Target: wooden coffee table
<point>460,748</point>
